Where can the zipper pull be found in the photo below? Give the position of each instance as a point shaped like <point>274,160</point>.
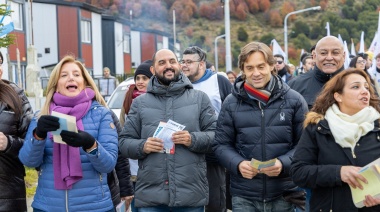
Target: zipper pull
<point>353,154</point>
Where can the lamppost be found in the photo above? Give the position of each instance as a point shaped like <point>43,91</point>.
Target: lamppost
<point>216,50</point>
<point>286,27</point>
<point>227,34</point>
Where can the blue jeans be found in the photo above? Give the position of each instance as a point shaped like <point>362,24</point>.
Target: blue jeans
<point>240,204</point>
<point>38,210</point>
<point>165,208</point>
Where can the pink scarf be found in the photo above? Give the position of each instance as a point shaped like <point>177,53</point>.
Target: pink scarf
<point>66,159</point>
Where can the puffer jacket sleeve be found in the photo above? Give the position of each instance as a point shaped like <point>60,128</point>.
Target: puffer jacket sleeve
<point>300,110</point>
<point>16,141</point>
<point>304,170</point>
<point>201,141</point>
<point>105,159</point>
<point>224,143</point>
<point>130,145</point>
<point>32,152</point>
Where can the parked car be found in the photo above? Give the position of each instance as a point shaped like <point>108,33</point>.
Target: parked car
<point>115,102</point>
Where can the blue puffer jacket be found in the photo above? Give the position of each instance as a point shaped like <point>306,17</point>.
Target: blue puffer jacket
<point>247,130</point>
<point>92,192</point>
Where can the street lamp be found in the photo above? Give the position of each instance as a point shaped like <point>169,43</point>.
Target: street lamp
<point>227,34</point>
<point>216,50</point>
<point>286,27</point>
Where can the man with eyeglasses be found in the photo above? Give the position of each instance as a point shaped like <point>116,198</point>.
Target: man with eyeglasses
<point>282,68</point>
<point>217,87</point>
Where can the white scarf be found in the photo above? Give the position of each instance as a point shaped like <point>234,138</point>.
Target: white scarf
<point>346,129</point>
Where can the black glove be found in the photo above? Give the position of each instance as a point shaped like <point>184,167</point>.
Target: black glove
<point>79,139</point>
<point>46,123</point>
<point>297,198</point>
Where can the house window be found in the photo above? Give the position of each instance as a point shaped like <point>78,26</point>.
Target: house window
<point>17,15</point>
<point>126,44</point>
<point>86,31</point>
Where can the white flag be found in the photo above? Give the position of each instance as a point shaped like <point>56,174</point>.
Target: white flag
<point>347,57</point>
<point>375,46</point>
<point>302,51</point>
<point>361,47</point>
<point>340,38</point>
<point>276,49</point>
<point>353,52</point>
<point>328,28</point>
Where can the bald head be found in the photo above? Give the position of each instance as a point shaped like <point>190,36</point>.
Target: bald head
<point>329,54</point>
<point>165,66</point>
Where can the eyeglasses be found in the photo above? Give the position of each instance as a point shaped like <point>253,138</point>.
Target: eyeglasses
<point>279,62</point>
<point>361,61</point>
<point>188,62</point>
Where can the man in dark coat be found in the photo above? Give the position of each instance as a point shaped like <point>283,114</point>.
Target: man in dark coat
<point>261,120</point>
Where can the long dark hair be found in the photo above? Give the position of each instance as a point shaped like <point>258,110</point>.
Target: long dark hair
<point>10,97</point>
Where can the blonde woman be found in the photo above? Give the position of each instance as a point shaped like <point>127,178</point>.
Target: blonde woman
<point>72,175</point>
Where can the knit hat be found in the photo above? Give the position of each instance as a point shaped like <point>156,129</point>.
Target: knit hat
<point>144,68</point>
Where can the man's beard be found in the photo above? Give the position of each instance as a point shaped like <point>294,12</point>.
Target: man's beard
<point>165,81</point>
<point>192,76</point>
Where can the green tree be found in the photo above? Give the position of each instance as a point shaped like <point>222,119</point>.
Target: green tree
<point>302,42</point>
<point>242,34</point>
<point>300,27</point>
<point>267,38</point>
<point>9,38</point>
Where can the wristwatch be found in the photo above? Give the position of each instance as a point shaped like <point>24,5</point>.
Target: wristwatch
<point>93,151</point>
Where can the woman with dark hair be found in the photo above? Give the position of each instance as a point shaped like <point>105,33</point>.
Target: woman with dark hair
<point>15,116</point>
<point>340,136</point>
<point>359,62</point>
<point>142,77</point>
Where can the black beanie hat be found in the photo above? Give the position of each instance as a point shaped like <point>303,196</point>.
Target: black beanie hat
<point>144,68</point>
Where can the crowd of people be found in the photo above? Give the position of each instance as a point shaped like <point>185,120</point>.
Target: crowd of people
<point>189,139</point>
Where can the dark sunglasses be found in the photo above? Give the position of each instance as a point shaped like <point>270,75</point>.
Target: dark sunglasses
<point>279,62</point>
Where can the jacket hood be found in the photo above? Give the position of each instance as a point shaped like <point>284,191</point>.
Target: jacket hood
<point>155,87</point>
<point>240,93</point>
<point>313,118</point>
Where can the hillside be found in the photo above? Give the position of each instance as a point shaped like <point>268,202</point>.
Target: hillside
<point>202,32</point>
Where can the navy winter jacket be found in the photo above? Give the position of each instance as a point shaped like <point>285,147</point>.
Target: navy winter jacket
<point>247,129</point>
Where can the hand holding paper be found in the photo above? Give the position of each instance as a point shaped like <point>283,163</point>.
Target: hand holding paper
<point>66,122</point>
<point>46,123</point>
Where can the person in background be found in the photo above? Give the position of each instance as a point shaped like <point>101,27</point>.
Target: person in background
<point>369,54</point>
<point>173,181</point>
<point>231,76</point>
<point>217,89</point>
<point>108,83</point>
<point>119,180</point>
<point>312,52</point>
<point>15,115</point>
<point>282,68</point>
<point>73,174</point>
<point>210,66</point>
<point>291,69</point>
<point>261,120</point>
<point>376,70</point>
<point>341,135</point>
<point>307,63</point>
<point>142,76</point>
